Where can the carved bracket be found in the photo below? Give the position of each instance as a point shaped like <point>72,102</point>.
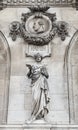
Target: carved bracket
<point>38,57</point>
<point>38,27</point>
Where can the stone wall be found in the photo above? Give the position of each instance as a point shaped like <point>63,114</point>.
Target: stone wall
<point>62,83</point>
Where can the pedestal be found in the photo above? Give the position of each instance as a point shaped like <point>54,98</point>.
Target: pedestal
<point>37,125</point>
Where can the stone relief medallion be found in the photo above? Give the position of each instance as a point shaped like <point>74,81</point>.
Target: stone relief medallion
<point>38,28</point>
<point>38,25</point>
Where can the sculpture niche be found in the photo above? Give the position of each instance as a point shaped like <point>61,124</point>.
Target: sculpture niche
<point>40,91</point>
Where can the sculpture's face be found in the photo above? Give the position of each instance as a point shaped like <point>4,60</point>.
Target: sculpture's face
<point>35,69</point>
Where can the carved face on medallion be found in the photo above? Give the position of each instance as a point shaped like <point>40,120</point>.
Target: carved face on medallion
<point>38,25</point>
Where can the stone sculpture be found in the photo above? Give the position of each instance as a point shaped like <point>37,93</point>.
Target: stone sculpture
<point>40,91</point>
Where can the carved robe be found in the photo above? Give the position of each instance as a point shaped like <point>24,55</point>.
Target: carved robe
<point>39,91</point>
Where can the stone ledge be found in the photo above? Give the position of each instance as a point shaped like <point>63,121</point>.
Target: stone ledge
<point>37,125</point>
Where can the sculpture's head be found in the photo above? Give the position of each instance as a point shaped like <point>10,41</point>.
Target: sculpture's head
<point>33,69</point>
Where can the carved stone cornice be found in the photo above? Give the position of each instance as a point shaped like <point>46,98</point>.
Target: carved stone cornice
<point>29,3</point>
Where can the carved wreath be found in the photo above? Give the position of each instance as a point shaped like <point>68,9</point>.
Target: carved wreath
<point>38,37</point>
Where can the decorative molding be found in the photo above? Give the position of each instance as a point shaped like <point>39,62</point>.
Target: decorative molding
<point>24,3</point>
<point>68,72</point>
<point>6,55</point>
<point>27,3</point>
<point>36,126</point>
<point>38,57</point>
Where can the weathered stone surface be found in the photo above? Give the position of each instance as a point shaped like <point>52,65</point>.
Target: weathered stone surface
<point>63,107</point>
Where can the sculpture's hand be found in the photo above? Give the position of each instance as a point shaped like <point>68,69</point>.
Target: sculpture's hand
<point>29,66</point>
